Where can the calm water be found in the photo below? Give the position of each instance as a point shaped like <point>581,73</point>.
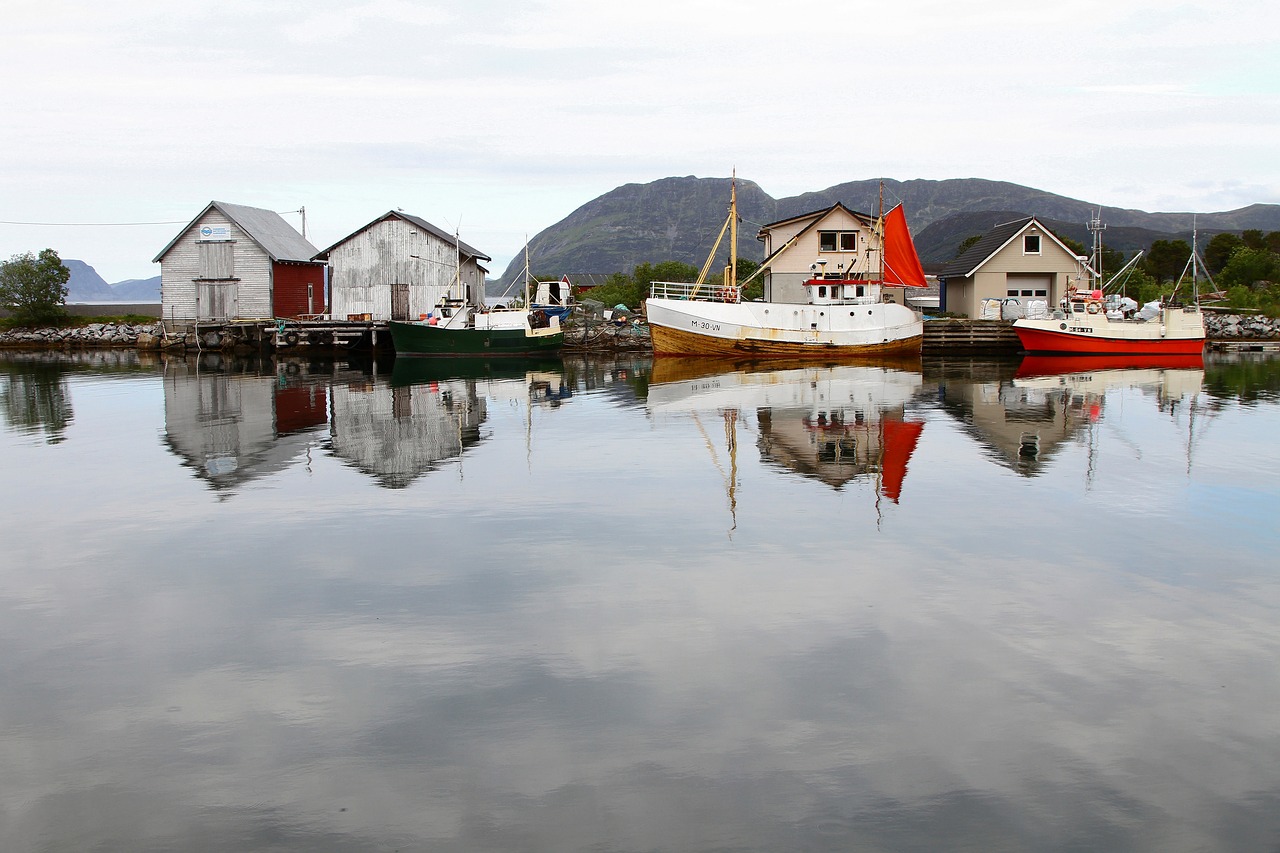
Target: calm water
<point>618,607</point>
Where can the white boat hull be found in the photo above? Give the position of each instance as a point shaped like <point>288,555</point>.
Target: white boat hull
<point>781,329</point>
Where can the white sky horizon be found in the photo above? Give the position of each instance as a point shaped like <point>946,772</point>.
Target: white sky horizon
<point>500,119</point>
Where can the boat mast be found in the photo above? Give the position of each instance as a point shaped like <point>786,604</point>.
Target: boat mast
<point>527,273</point>
<point>880,220</point>
<point>731,279</point>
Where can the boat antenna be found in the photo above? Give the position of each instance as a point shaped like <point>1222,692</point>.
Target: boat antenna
<point>1096,227</point>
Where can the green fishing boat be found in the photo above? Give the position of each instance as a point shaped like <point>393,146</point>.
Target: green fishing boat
<point>457,328</point>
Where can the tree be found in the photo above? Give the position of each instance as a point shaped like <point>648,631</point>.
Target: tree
<point>1249,267</point>
<point>1219,250</point>
<point>1166,259</point>
<point>34,289</point>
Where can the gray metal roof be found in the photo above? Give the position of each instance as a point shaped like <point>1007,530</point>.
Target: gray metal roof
<point>466,250</point>
<point>280,240</point>
<point>980,252</point>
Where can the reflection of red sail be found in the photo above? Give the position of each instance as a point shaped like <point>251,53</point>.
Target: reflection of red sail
<point>900,439</point>
<point>901,263</point>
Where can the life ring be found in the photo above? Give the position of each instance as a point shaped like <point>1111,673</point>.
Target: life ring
<point>1093,308</point>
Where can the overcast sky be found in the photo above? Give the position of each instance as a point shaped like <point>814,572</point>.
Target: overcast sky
<point>501,118</point>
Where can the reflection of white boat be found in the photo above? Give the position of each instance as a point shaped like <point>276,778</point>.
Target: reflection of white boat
<point>844,313</point>
<point>831,423</point>
<point>1176,377</point>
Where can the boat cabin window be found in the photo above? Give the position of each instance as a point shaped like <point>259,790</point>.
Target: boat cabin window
<point>1077,307</point>
<point>860,290</point>
<point>837,241</point>
<point>1031,244</point>
<point>822,291</point>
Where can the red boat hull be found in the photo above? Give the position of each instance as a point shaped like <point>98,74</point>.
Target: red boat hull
<point>1062,343</point>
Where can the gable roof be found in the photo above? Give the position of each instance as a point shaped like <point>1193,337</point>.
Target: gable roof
<point>468,252</point>
<point>992,243</point>
<point>817,217</point>
<point>266,228</point>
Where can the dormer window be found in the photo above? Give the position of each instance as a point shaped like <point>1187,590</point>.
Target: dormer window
<point>837,241</point>
<point>1031,244</point>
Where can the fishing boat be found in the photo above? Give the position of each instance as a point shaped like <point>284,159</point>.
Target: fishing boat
<point>1088,322</point>
<point>844,312</point>
<point>457,327</point>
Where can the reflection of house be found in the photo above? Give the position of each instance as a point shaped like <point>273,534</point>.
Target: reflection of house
<point>236,262</point>
<point>1025,420</point>
<point>835,241</point>
<point>399,267</point>
<point>1019,259</point>
<point>841,444</point>
<point>230,427</point>
<point>398,432</point>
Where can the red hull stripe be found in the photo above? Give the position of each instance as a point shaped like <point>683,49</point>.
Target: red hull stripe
<point>1038,340</point>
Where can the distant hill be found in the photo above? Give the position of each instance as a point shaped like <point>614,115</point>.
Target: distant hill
<point>85,285</point>
<point>677,219</point>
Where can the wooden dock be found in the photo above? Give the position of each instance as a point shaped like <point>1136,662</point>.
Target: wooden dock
<point>970,336</point>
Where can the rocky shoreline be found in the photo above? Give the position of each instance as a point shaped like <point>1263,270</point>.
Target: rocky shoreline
<point>96,335</point>
<point>152,336</point>
<point>1240,327</point>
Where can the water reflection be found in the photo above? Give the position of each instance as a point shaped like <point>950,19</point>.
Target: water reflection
<point>567,655</point>
<point>1023,413</point>
<point>35,397</point>
<point>431,411</point>
<point>232,420</point>
<point>830,423</point>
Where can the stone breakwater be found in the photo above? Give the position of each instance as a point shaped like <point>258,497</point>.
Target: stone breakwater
<point>146,336</point>
<point>1240,327</point>
<point>150,336</point>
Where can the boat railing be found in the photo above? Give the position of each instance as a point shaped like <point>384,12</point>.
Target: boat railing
<point>696,292</point>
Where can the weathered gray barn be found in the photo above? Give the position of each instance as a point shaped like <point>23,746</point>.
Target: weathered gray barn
<point>399,267</point>
<point>234,262</point>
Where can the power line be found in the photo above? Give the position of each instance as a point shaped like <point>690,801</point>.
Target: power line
<point>94,224</point>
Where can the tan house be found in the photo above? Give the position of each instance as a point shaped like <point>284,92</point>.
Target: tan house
<point>1020,259</point>
<point>834,242</point>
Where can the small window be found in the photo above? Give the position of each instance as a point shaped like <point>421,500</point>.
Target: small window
<point>1031,244</point>
<point>1013,291</point>
<point>837,241</point>
<point>1026,293</point>
<point>1042,293</point>
<point>822,291</point>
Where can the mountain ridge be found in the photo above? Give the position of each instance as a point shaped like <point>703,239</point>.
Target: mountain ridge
<point>677,219</point>
<point>85,285</point>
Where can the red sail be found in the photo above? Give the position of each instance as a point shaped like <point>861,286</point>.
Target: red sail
<point>901,263</point>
